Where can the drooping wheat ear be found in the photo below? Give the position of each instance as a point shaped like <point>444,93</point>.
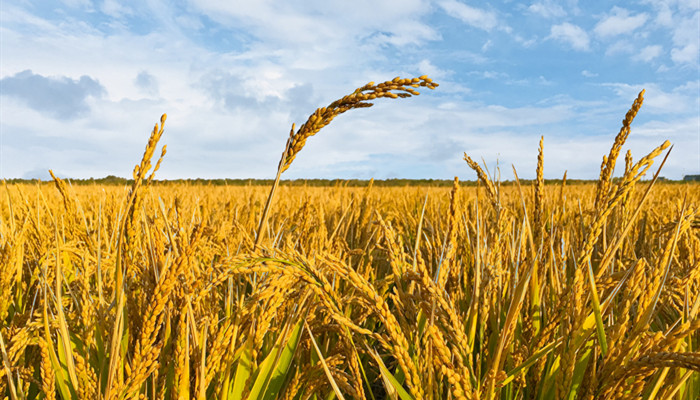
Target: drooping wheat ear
<point>662,359</point>
<point>490,188</point>
<point>360,98</point>
<point>608,166</point>
<point>67,198</point>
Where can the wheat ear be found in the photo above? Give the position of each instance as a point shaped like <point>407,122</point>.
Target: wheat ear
<point>360,98</point>
<point>608,165</point>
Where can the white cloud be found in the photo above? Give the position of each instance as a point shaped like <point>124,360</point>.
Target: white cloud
<point>619,22</point>
<point>476,17</point>
<point>409,33</point>
<point>525,42</point>
<point>116,9</point>
<point>316,23</point>
<point>664,15</point>
<point>547,9</point>
<point>683,133</point>
<point>685,5</point>
<point>680,19</point>
<point>686,40</point>
<point>657,101</point>
<point>425,67</point>
<point>622,46</point>
<point>588,74</point>
<point>501,76</point>
<point>78,3</point>
<point>687,54</point>
<point>649,53</point>
<point>572,35</point>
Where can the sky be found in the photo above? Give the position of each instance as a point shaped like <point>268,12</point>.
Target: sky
<point>83,82</point>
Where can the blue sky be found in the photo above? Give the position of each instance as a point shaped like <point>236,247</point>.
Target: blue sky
<point>82,83</point>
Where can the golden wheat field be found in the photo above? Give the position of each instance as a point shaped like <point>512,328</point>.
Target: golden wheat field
<point>496,291</point>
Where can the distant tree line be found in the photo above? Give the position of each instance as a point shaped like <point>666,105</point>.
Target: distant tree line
<point>115,180</point>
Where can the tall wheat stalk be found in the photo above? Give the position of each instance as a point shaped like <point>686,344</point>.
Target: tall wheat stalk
<point>360,98</point>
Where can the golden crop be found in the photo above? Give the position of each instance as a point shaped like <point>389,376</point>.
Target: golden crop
<point>163,291</point>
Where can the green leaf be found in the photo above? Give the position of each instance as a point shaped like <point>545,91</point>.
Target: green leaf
<point>393,388</point>
<point>580,371</point>
<point>273,371</point>
<point>600,328</point>
<point>530,361</point>
<point>63,383</point>
<point>243,370</point>
<point>279,374</point>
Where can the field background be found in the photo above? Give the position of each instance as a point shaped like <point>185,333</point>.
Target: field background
<point>342,299</point>
<point>116,289</point>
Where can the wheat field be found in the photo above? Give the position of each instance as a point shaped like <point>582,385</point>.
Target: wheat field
<point>496,291</point>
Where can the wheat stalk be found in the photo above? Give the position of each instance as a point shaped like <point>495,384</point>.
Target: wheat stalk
<point>360,98</point>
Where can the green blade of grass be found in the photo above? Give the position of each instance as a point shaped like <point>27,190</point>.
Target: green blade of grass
<point>243,370</point>
<point>530,361</point>
<point>600,328</point>
<point>63,334</point>
<point>284,362</point>
<point>390,383</point>
<point>65,387</point>
<point>579,372</point>
<point>274,368</point>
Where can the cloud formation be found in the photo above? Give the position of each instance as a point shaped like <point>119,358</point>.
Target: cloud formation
<point>60,97</point>
<point>572,35</point>
<point>147,83</point>
<point>649,53</point>
<point>547,9</point>
<point>234,76</point>
<point>472,16</point>
<point>686,40</point>
<point>619,22</point>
